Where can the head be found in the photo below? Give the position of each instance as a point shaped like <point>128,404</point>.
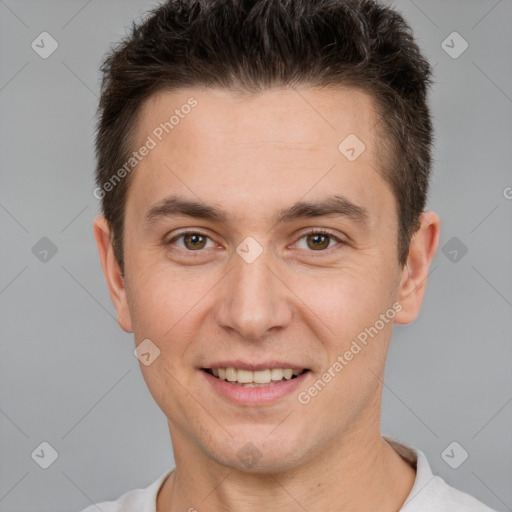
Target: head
<point>230,134</point>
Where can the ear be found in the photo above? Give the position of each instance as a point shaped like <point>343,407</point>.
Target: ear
<point>112,272</point>
<point>413,282</point>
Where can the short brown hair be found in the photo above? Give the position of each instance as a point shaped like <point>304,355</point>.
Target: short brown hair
<point>249,45</point>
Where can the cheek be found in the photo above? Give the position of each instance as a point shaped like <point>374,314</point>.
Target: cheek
<point>159,298</point>
<point>164,309</point>
<point>169,307</point>
<point>347,299</point>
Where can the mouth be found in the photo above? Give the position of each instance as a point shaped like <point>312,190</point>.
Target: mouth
<point>255,379</point>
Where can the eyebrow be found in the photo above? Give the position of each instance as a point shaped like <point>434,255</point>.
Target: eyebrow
<point>332,205</point>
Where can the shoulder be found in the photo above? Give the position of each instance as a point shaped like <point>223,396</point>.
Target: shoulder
<point>136,500</point>
<point>130,501</point>
<point>430,492</point>
<point>452,499</point>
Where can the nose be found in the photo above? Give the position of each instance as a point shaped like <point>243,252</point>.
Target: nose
<point>254,302</point>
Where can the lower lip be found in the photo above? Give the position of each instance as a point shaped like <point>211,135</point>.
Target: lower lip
<point>257,396</point>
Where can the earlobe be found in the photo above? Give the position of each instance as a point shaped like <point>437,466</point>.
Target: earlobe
<point>413,282</point>
<point>112,272</point>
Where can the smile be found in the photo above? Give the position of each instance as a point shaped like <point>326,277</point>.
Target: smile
<point>259,378</point>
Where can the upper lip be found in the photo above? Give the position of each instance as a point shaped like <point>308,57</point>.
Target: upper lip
<point>243,365</point>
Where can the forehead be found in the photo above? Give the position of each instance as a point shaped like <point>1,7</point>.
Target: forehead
<point>237,148</point>
<point>311,116</point>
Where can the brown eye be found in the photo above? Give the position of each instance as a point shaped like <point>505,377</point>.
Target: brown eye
<point>318,240</point>
<point>192,241</point>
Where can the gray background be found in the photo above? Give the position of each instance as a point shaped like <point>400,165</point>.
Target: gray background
<point>67,372</point>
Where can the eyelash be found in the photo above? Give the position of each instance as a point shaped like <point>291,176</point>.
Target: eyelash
<point>310,231</point>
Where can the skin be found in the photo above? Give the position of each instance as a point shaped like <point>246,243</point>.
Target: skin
<point>254,156</point>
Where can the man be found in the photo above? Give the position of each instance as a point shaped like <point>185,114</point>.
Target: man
<point>263,169</point>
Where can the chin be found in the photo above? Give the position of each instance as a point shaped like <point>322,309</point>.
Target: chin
<point>261,452</point>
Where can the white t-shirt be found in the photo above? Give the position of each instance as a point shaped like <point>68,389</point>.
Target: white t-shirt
<point>429,493</point>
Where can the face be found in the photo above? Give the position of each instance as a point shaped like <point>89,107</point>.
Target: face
<point>290,256</point>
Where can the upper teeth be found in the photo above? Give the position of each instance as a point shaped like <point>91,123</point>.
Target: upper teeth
<point>259,377</point>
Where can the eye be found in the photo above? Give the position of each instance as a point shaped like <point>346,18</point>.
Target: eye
<point>192,241</point>
<point>318,240</point>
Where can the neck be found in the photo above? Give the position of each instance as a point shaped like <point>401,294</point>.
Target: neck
<point>361,473</point>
